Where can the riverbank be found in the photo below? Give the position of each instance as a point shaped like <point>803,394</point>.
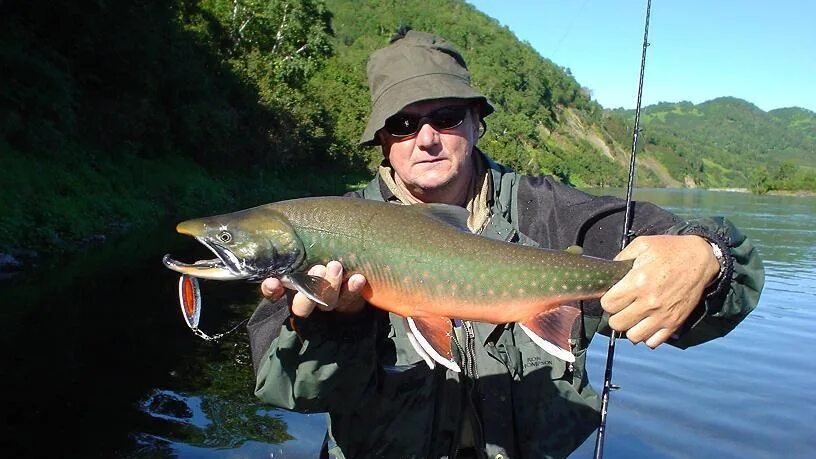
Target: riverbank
<point>55,205</point>
<point>797,193</point>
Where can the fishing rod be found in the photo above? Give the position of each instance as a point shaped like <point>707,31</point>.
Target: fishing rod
<point>626,234</point>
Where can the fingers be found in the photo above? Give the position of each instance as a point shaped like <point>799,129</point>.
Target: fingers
<point>648,321</point>
<point>332,272</point>
<point>648,331</point>
<point>302,306</point>
<point>272,288</point>
<point>351,300</point>
<point>342,297</point>
<point>659,338</point>
<point>625,291</point>
<point>634,249</point>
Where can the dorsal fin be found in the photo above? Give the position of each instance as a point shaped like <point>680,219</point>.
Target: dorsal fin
<point>452,215</point>
<point>575,250</point>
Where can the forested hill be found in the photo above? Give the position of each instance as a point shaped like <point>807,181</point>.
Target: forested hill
<point>727,142</point>
<point>116,115</point>
<point>544,122</point>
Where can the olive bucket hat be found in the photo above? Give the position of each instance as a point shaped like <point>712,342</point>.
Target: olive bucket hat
<point>416,66</point>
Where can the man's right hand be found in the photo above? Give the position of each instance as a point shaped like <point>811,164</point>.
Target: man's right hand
<point>346,297</point>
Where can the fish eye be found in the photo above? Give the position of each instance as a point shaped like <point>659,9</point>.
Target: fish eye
<point>225,237</point>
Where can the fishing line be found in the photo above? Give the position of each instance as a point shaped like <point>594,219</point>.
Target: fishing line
<point>198,332</point>
<point>569,27</point>
<point>626,234</point>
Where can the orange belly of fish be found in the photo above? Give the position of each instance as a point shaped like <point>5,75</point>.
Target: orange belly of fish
<point>492,310</point>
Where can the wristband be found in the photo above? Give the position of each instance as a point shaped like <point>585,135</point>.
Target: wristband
<point>718,254</point>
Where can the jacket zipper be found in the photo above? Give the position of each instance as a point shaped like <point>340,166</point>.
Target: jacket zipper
<point>467,347</point>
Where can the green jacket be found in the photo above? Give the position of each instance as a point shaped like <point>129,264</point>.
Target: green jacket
<point>384,401</point>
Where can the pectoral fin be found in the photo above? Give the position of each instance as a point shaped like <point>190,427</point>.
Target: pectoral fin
<point>431,338</point>
<point>315,288</point>
<point>551,330</point>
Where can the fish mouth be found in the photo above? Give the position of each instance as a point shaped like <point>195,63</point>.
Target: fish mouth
<point>225,267</point>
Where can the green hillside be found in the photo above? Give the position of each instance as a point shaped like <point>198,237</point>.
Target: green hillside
<point>728,142</point>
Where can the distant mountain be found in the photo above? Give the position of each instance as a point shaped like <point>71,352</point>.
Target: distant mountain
<point>724,142</point>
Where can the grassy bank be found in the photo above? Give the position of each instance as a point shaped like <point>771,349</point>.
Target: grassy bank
<point>67,202</point>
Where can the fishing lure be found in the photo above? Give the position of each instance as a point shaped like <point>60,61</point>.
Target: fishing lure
<point>190,302</point>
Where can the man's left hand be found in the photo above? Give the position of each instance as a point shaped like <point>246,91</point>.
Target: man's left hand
<point>666,282</point>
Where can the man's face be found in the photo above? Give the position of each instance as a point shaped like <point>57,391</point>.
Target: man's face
<point>435,163</point>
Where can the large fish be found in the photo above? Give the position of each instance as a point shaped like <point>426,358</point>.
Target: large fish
<point>420,263</point>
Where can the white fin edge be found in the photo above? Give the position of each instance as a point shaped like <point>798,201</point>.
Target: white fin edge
<point>429,350</point>
<point>548,346</point>
<point>427,358</point>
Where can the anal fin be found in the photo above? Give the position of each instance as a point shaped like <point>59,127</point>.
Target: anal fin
<point>551,330</point>
<point>431,338</point>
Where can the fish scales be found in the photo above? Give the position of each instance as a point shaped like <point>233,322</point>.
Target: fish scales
<point>485,273</point>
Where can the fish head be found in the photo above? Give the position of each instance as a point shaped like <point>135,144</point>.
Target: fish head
<point>251,245</point>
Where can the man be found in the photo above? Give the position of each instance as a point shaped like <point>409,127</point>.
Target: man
<point>691,281</point>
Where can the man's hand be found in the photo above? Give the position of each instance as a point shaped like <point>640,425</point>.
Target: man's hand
<point>346,295</point>
<point>666,282</point>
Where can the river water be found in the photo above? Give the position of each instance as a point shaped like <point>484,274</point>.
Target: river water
<point>97,361</point>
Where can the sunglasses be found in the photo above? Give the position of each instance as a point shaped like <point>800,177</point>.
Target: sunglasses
<point>404,125</point>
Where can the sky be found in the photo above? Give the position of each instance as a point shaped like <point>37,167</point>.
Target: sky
<point>760,51</point>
